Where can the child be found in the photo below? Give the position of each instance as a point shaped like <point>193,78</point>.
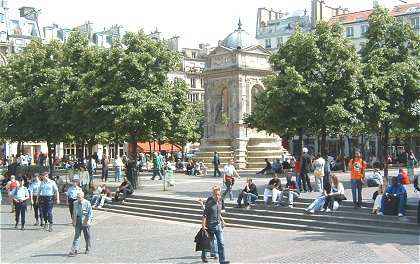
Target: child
<point>377,197</point>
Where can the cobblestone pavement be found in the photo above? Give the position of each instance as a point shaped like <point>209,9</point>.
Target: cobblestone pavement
<point>128,239</point>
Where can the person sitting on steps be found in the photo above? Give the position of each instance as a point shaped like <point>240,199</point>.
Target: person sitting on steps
<point>394,199</point>
<point>334,198</point>
<point>273,190</point>
<point>125,189</point>
<point>377,198</point>
<point>249,194</point>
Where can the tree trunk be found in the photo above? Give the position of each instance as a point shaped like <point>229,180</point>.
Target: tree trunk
<point>381,158</point>
<point>19,149</point>
<point>51,154</point>
<point>385,151</point>
<point>350,141</point>
<point>132,146</point>
<point>116,154</point>
<point>324,142</point>
<point>150,147</point>
<point>300,143</point>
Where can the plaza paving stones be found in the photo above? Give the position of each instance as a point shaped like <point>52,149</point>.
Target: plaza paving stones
<point>128,239</point>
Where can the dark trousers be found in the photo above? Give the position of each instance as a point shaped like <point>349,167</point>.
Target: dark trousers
<point>20,211</point>
<point>329,201</point>
<point>125,193</point>
<point>306,181</point>
<point>46,208</point>
<point>37,208</point>
<point>104,174</point>
<point>70,202</point>
<point>216,171</point>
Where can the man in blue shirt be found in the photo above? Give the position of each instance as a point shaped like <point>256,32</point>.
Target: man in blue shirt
<point>394,191</point>
<point>72,195</point>
<point>20,195</point>
<point>33,189</point>
<point>82,220</point>
<point>47,191</point>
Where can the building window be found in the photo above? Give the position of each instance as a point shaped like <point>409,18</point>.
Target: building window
<point>365,29</point>
<point>415,23</point>
<point>2,18</point>
<point>193,82</point>
<point>349,31</point>
<point>194,55</point>
<point>279,41</point>
<point>268,43</point>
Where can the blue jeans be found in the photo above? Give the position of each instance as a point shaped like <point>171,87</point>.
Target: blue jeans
<point>213,250</point>
<point>299,181</point>
<point>356,191</point>
<point>95,200</point>
<point>228,191</point>
<point>249,198</point>
<point>217,232</point>
<point>118,172</point>
<point>86,234</point>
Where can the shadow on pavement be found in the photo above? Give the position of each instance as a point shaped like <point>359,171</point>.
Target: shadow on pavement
<point>50,255</point>
<point>377,239</point>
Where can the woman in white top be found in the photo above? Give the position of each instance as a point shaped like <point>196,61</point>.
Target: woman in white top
<point>336,195</point>
<point>319,164</point>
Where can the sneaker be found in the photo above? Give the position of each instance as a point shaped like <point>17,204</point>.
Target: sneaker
<point>400,215</point>
<point>312,211</point>
<point>214,257</point>
<point>50,229</point>
<point>290,205</point>
<point>99,206</point>
<point>42,224</point>
<point>328,210</point>
<point>72,254</point>
<point>45,226</point>
<point>248,207</point>
<point>16,226</point>
<point>36,223</point>
<point>380,213</point>
<point>204,260</point>
<point>322,209</point>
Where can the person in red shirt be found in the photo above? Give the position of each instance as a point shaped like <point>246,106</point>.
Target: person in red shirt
<point>357,168</point>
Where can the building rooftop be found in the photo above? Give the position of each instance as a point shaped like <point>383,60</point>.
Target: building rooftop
<point>364,15</point>
<point>239,39</point>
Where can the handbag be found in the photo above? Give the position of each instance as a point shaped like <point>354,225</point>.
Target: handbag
<point>202,240</point>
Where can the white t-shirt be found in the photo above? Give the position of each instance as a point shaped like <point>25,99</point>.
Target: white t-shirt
<point>229,170</point>
<point>319,165</point>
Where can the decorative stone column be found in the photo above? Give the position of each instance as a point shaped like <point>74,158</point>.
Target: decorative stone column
<point>239,147</point>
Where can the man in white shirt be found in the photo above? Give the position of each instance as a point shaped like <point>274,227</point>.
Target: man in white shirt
<point>230,174</point>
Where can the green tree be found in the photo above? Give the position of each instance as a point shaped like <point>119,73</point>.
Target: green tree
<point>186,118</point>
<point>391,70</point>
<point>32,95</point>
<point>135,89</point>
<point>315,87</point>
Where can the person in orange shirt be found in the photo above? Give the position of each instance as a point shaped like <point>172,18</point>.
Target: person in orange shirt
<point>357,172</point>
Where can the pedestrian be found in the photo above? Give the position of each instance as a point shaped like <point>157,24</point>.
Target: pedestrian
<point>305,169</point>
<point>82,220</point>
<point>318,165</point>
<point>216,164</point>
<point>33,189</point>
<point>20,195</point>
<point>157,166</point>
<point>72,195</point>
<point>47,191</point>
<point>213,249</point>
<point>11,185</point>
<point>91,166</point>
<point>411,164</point>
<point>229,176</point>
<point>357,168</point>
<point>214,223</point>
<point>105,164</point>
<point>118,166</point>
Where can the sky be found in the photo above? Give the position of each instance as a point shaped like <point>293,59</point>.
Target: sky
<point>194,21</point>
